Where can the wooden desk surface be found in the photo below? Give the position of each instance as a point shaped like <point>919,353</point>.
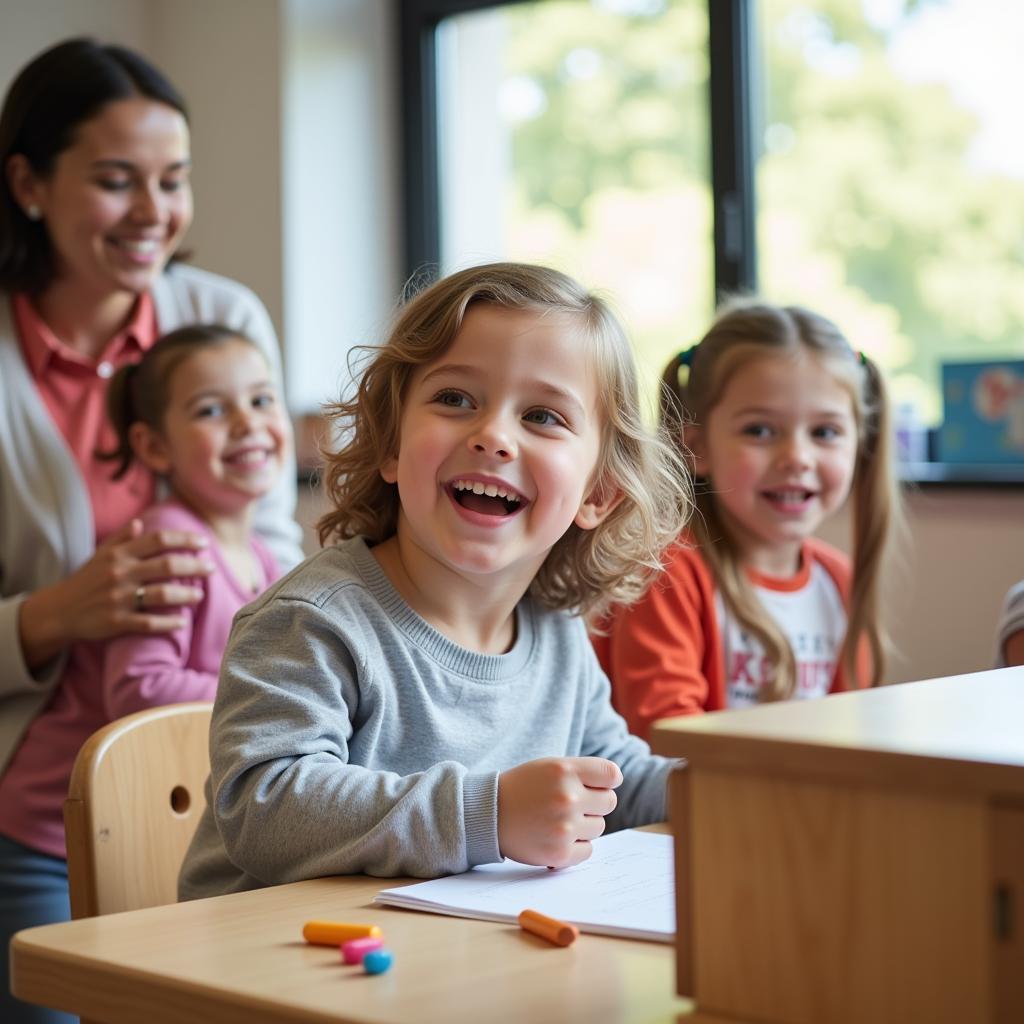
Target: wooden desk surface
<point>240,959</point>
<point>963,732</point>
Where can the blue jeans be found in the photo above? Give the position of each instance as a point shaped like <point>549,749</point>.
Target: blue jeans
<point>33,890</point>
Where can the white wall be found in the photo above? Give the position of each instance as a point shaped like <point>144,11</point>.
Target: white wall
<point>226,57</point>
<point>28,26</point>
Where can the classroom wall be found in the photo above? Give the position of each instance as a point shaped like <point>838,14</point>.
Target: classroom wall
<point>29,27</point>
<point>297,191</point>
<point>962,551</point>
<point>226,57</point>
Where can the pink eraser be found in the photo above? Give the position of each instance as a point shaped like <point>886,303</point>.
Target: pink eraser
<point>353,951</point>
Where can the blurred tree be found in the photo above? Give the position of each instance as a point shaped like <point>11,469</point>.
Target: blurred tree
<point>869,208</point>
<point>868,174</point>
<point>611,164</point>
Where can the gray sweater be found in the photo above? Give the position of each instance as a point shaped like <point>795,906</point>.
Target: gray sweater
<point>350,736</point>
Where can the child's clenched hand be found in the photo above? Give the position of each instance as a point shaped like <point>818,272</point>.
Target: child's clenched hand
<point>549,810</point>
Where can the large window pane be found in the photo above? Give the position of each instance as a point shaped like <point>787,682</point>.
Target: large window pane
<point>576,134</point>
<point>890,184</point>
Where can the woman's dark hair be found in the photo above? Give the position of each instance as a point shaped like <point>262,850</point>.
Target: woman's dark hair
<point>139,392</point>
<point>52,96</point>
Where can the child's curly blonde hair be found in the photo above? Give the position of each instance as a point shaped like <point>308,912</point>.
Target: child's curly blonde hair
<point>587,570</point>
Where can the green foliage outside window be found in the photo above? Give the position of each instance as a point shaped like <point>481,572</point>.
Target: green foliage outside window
<point>869,209</point>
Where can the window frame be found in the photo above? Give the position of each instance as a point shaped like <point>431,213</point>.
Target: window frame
<point>731,56</point>
<point>730,31</point>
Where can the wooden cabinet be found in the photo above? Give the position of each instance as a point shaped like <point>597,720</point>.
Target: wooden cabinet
<point>854,859</point>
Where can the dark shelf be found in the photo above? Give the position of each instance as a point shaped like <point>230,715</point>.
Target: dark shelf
<point>962,474</point>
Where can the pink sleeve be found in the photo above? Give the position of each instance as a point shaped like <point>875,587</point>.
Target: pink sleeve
<point>142,670</point>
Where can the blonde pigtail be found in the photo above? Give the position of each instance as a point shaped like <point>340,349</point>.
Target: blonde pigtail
<point>877,516</point>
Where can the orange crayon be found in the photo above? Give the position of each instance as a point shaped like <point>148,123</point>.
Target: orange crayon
<point>558,932</point>
<point>334,933</point>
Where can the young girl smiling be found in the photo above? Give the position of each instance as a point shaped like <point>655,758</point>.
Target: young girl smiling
<point>783,421</point>
<point>200,411</point>
<point>421,696</point>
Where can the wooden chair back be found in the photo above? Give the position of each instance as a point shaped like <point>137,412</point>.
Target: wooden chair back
<point>135,798</point>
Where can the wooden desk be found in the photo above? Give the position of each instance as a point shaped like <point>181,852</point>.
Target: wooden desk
<point>858,858</point>
<point>240,959</point>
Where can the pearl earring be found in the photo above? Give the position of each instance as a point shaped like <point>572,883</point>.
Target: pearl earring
<point>33,212</point>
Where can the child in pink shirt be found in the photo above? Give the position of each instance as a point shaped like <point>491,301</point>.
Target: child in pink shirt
<point>200,411</point>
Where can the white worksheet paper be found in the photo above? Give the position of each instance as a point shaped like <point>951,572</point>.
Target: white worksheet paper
<point>626,888</point>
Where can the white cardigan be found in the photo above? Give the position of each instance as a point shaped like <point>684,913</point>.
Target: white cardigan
<point>46,522</point>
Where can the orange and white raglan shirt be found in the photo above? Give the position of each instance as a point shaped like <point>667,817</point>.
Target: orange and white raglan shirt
<point>680,651</point>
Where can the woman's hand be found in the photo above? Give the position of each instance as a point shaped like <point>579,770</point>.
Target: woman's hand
<point>549,810</point>
<point>130,572</point>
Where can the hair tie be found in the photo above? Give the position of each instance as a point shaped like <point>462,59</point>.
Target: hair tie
<point>861,357</point>
<point>686,358</point>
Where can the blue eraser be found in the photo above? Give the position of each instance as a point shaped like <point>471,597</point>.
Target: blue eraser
<point>377,961</point>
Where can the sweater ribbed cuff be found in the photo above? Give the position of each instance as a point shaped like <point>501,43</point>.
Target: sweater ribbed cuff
<point>480,809</point>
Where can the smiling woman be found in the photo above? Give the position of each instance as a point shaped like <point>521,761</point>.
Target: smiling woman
<point>116,203</point>
<point>94,202</point>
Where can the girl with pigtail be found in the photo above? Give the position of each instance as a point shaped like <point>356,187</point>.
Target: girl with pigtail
<point>199,411</point>
<point>782,421</point>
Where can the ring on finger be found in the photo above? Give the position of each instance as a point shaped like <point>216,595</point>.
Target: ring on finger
<point>140,596</point>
